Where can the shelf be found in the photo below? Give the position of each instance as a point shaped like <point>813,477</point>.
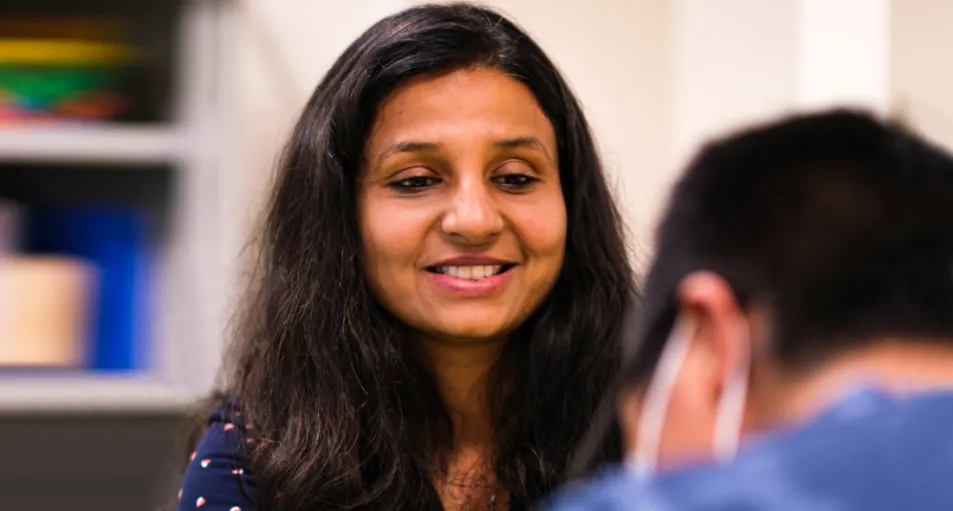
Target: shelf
<point>78,144</point>
<point>89,393</point>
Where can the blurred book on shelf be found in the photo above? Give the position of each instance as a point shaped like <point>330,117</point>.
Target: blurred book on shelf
<point>44,304</point>
<point>113,241</point>
<point>65,69</point>
<point>73,289</point>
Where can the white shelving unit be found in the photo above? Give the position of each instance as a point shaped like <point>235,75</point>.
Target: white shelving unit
<point>86,393</point>
<point>195,258</point>
<point>91,144</point>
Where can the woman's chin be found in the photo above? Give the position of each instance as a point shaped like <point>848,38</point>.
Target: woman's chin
<point>472,331</point>
<point>473,322</point>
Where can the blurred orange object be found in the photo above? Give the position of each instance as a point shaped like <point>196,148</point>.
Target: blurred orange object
<point>44,311</point>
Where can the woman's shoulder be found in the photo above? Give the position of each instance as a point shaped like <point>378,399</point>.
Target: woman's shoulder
<point>218,477</point>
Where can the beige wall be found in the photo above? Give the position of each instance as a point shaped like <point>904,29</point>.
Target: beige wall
<point>922,65</point>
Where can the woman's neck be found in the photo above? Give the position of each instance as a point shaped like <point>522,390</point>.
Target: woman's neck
<point>464,376</point>
<point>463,373</point>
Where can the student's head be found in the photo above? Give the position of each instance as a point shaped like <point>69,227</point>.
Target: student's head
<point>441,185</point>
<point>820,248</point>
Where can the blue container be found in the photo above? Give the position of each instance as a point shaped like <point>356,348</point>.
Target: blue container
<point>115,241</point>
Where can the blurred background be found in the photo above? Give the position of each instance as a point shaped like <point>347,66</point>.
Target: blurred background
<point>137,140</point>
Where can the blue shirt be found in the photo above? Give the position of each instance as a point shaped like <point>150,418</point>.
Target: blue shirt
<point>871,452</point>
<point>217,478</point>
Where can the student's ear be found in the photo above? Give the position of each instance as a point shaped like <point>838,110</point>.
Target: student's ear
<point>721,339</point>
<point>713,328</point>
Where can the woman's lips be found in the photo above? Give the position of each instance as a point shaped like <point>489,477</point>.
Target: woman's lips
<point>468,287</point>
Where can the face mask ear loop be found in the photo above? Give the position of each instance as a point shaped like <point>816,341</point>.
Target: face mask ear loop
<point>731,410</point>
<point>655,408</point>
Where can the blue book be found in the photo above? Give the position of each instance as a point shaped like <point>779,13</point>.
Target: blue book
<point>115,241</point>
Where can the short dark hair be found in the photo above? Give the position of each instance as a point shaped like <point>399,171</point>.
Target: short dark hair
<point>837,224</point>
<point>351,420</point>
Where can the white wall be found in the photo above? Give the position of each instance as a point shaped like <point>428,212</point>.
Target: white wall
<point>741,61</point>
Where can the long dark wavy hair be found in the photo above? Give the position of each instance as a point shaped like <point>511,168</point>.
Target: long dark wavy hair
<point>343,417</point>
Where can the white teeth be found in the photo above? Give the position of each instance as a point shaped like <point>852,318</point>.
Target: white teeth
<point>479,273</point>
<point>470,272</point>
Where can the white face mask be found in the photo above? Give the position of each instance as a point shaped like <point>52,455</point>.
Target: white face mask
<point>654,410</point>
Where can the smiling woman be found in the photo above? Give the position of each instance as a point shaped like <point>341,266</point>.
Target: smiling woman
<point>442,289</point>
<point>463,215</point>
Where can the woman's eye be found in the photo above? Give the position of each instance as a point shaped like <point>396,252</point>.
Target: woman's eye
<point>515,181</point>
<point>414,184</point>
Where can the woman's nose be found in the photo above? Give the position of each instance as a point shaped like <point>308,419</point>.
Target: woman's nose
<point>473,216</point>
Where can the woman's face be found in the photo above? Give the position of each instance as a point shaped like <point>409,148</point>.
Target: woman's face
<point>461,210</point>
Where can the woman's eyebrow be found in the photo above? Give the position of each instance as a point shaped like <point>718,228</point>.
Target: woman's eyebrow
<point>527,142</point>
<point>414,146</point>
<point>408,146</point>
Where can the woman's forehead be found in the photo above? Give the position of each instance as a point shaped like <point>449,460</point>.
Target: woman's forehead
<point>480,106</point>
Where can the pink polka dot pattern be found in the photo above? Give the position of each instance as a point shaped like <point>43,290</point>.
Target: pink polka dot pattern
<point>216,479</point>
